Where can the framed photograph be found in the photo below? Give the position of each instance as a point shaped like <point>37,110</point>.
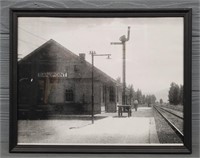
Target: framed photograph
<point>100,80</point>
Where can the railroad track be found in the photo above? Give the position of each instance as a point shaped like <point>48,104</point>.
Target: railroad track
<point>162,112</point>
<point>181,117</point>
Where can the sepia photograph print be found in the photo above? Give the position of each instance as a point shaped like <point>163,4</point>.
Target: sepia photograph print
<point>100,81</point>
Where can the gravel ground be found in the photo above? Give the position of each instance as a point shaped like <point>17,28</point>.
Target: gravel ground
<point>175,120</point>
<point>165,133</point>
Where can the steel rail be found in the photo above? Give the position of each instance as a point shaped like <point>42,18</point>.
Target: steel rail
<point>170,112</point>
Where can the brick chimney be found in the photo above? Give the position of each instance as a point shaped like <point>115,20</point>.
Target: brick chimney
<point>82,56</point>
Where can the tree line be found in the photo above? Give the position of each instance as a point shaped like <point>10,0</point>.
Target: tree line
<point>132,95</point>
<point>175,95</point>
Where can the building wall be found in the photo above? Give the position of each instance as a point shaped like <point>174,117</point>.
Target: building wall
<point>47,90</point>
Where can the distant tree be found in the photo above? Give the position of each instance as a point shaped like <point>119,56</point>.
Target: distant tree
<point>181,95</point>
<point>153,99</point>
<point>131,93</point>
<point>147,99</point>
<point>170,93</point>
<point>143,99</point>
<point>161,101</point>
<point>139,96</point>
<point>150,99</point>
<point>174,94</point>
<point>134,95</point>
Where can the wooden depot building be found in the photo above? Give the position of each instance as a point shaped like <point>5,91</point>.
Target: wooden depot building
<point>54,81</point>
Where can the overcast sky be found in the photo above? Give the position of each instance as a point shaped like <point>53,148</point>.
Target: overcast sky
<point>154,53</point>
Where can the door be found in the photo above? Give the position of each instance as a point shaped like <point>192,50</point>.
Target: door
<point>103,98</point>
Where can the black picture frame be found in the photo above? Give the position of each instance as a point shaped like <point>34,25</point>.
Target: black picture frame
<point>186,13</point>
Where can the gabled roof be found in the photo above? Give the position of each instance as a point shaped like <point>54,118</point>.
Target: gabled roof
<point>63,52</point>
<point>45,45</point>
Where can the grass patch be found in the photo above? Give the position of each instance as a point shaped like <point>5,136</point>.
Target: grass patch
<point>174,107</point>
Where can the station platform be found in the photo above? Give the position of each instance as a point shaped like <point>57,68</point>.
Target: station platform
<point>113,130</point>
<point>138,129</point>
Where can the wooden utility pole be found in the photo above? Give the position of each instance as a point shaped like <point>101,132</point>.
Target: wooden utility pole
<point>93,54</point>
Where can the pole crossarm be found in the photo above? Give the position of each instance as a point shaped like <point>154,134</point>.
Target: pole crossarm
<point>92,52</point>
<point>101,54</point>
<point>116,43</point>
